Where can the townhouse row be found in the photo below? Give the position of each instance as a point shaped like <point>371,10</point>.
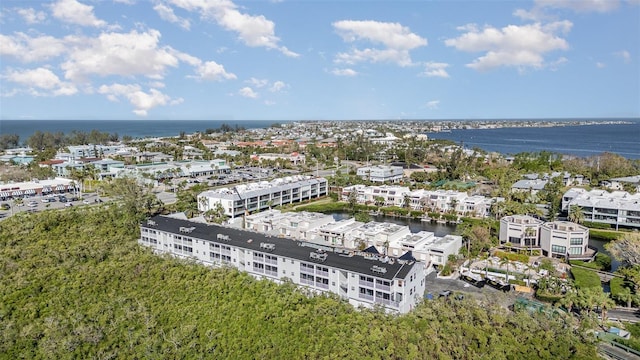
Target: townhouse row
<point>423,200</point>
<point>379,237</point>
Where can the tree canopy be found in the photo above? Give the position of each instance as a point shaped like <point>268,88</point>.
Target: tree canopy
<point>75,284</point>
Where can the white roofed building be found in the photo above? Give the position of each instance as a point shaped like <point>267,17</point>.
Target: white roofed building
<point>258,196</point>
<point>381,173</point>
<point>617,208</point>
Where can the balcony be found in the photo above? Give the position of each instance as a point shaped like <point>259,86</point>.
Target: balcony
<point>387,302</point>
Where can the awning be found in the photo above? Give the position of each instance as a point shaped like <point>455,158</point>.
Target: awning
<point>29,191</point>
<point>46,189</point>
<point>4,194</point>
<point>70,187</point>
<point>60,187</point>
<point>16,193</point>
<point>372,250</point>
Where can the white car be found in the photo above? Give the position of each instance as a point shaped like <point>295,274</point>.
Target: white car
<point>32,204</point>
<point>85,201</point>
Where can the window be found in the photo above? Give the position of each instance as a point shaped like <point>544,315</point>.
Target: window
<point>575,251</point>
<point>559,249</point>
<point>576,241</point>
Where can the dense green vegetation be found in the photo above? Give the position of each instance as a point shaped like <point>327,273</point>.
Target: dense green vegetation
<point>601,262</point>
<point>74,284</point>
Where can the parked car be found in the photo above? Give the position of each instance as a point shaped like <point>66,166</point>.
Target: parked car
<point>45,200</point>
<point>68,204</point>
<point>5,206</point>
<point>32,204</point>
<point>85,201</point>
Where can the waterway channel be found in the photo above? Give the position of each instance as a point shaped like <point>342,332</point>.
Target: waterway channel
<point>445,229</point>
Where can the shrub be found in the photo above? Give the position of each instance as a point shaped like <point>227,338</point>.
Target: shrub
<point>603,235</point>
<point>604,260</point>
<point>542,296</point>
<point>524,258</point>
<point>595,225</point>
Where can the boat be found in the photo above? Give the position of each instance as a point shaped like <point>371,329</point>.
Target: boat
<point>498,284</point>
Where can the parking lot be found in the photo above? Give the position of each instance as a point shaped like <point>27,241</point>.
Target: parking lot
<point>40,203</point>
<point>435,286</point>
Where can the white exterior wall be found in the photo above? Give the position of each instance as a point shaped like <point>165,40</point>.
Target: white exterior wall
<point>360,289</point>
<point>554,236</point>
<point>512,229</point>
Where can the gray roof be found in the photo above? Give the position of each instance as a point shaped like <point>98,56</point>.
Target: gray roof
<point>299,250</point>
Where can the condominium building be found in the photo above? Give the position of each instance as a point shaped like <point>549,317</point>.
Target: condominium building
<point>381,173</point>
<point>565,239</point>
<point>427,248</point>
<point>521,231</point>
<point>616,208</point>
<point>555,239</point>
<point>386,195</point>
<point>296,225</point>
<point>387,238</point>
<point>361,279</point>
<point>258,196</point>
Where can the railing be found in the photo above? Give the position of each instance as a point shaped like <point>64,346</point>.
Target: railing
<point>383,287</point>
<point>366,297</point>
<point>366,283</point>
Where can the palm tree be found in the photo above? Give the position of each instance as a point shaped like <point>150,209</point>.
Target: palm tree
<point>505,261</point>
<point>576,214</point>
<point>529,233</point>
<point>406,201</point>
<point>626,295</point>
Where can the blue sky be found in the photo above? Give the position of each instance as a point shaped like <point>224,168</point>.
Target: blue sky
<point>325,60</point>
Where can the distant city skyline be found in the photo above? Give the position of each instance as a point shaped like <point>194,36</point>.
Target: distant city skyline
<point>299,60</point>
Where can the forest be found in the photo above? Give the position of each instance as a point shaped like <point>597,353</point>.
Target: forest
<point>75,284</point>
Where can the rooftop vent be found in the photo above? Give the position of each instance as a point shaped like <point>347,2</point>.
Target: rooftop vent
<point>186,229</point>
<point>268,246</point>
<point>223,237</point>
<point>151,223</point>
<point>318,255</point>
<point>379,269</point>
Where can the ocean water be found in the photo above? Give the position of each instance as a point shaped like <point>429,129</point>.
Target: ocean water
<point>583,141</point>
<point>586,140</point>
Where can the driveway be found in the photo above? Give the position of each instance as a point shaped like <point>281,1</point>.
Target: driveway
<point>435,285</point>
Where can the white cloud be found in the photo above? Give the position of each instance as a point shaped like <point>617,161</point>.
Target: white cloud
<point>248,92</point>
<point>278,86</point>
<point>213,71</point>
<point>518,46</point>
<point>433,104</point>
<point>269,102</point>
<point>31,49</point>
<point>36,80</point>
<point>142,101</point>
<point>166,13</point>
<point>32,16</point>
<point>624,55</point>
<point>434,69</point>
<point>344,72</point>
<point>600,65</point>
<point>601,6</point>
<point>540,8</point>
<point>397,41</point>
<point>254,31</point>
<point>258,83</point>
<point>124,54</point>
<point>73,12</point>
